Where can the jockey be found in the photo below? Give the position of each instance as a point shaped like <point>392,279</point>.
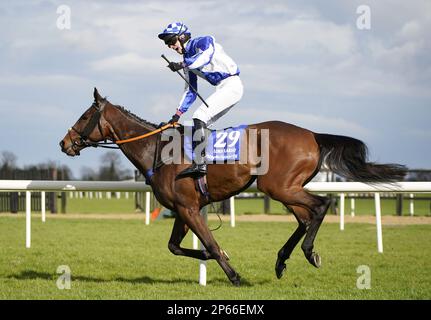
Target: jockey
<point>202,57</point>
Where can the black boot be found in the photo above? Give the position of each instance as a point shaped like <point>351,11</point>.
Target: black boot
<point>198,167</point>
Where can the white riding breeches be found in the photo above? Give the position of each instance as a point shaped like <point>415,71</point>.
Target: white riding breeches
<point>228,92</point>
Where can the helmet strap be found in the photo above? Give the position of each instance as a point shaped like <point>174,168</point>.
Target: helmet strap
<point>183,40</point>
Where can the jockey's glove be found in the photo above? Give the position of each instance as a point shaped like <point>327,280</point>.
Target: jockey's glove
<point>174,119</point>
<point>175,66</point>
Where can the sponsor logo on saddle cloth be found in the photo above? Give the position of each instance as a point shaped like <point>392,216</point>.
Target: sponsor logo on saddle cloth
<point>223,145</point>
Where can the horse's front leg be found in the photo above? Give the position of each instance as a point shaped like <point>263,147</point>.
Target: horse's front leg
<point>197,224</point>
<point>179,231</point>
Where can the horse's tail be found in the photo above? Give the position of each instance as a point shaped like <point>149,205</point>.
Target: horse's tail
<point>347,157</point>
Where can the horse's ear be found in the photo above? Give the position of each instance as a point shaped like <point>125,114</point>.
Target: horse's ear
<point>97,96</point>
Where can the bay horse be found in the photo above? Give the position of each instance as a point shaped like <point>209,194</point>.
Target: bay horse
<point>295,155</point>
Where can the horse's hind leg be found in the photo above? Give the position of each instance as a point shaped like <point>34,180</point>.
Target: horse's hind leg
<point>302,215</point>
<point>319,213</point>
<point>315,205</point>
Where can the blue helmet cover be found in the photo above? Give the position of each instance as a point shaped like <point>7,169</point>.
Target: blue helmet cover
<point>175,28</point>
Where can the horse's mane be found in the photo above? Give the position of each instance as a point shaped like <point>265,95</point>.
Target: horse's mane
<point>135,117</point>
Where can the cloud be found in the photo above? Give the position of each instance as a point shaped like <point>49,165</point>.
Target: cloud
<point>309,56</point>
<point>42,80</point>
<point>348,78</point>
<point>127,63</point>
<point>309,35</point>
<point>162,105</point>
<point>410,30</point>
<point>391,56</point>
<point>316,123</point>
<point>419,133</point>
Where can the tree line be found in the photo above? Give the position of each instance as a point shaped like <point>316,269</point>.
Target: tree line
<point>110,169</point>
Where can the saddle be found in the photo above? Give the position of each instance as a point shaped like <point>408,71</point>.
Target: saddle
<point>223,146</point>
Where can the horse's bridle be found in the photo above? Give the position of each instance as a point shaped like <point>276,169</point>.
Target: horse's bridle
<point>83,137</point>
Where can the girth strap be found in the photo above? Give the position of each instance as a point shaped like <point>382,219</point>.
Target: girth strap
<point>202,187</point>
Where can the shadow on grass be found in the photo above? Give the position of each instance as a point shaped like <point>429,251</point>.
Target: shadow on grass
<point>244,282</point>
<point>36,275</point>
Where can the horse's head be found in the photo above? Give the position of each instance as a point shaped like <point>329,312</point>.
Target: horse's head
<point>90,128</point>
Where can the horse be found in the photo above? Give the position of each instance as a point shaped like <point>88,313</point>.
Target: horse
<point>294,155</point>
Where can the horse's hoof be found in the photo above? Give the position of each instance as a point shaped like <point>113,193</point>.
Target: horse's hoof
<point>279,269</point>
<point>236,281</point>
<point>315,260</point>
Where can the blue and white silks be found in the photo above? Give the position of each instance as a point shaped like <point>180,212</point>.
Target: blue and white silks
<point>205,58</point>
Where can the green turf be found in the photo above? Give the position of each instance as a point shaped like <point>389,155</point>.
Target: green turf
<point>104,205</point>
<point>243,206</point>
<point>124,259</point>
<point>362,207</point>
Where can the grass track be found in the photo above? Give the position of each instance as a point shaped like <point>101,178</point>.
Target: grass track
<point>124,259</point>
<point>244,206</point>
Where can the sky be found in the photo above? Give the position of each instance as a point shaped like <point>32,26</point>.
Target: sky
<point>316,64</point>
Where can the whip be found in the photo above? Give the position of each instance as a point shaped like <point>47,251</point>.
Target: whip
<point>194,90</point>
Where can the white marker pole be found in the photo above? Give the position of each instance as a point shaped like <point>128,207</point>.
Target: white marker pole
<point>378,223</point>
<point>352,205</point>
<point>232,211</point>
<point>195,241</point>
<point>42,204</point>
<point>412,205</point>
<point>203,263</point>
<point>27,219</point>
<point>202,271</point>
<point>341,211</point>
<point>147,208</point>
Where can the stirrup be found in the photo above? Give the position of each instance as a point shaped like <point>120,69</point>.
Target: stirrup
<point>195,170</point>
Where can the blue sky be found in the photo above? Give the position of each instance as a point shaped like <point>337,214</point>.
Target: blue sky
<point>301,62</point>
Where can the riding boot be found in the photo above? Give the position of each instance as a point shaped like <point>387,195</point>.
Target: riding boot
<point>198,167</point>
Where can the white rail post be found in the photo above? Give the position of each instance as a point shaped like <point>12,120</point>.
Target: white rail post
<point>352,205</point>
<point>195,241</point>
<point>378,222</point>
<point>42,204</point>
<point>202,271</point>
<point>203,263</point>
<point>147,208</point>
<point>341,211</point>
<point>27,219</point>
<point>412,204</point>
<point>232,211</point>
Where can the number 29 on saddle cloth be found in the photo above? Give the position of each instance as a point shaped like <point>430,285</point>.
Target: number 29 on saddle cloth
<point>222,145</point>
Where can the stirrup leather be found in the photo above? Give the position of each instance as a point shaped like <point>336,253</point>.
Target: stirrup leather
<point>195,170</point>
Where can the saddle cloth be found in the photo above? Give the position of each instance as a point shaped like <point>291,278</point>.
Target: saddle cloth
<point>223,145</point>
